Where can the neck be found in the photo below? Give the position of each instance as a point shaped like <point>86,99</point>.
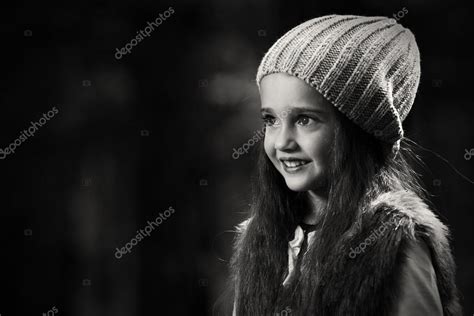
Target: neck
<point>317,202</point>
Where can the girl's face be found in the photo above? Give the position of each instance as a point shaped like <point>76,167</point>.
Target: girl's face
<point>299,130</point>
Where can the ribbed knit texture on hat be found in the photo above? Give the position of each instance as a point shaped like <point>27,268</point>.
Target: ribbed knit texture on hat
<point>367,67</point>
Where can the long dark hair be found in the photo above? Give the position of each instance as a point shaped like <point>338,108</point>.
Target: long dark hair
<point>361,167</point>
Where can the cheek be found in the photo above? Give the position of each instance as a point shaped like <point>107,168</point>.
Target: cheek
<point>319,147</point>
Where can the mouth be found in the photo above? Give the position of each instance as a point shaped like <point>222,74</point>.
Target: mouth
<point>293,165</point>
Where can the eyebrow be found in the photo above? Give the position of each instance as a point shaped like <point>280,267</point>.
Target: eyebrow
<point>297,110</point>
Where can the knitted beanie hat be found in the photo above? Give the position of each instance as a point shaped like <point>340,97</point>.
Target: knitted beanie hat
<point>367,67</point>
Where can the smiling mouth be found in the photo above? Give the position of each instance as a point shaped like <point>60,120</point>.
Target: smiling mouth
<point>292,165</point>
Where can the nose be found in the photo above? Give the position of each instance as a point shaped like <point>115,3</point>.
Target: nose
<point>285,139</point>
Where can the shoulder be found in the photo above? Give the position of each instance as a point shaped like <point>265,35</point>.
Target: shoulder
<point>412,216</point>
<point>396,218</point>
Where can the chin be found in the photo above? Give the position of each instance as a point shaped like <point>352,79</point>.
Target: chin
<point>298,185</point>
<point>303,183</point>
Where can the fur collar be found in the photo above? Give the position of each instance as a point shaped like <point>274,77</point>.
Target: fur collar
<point>415,211</point>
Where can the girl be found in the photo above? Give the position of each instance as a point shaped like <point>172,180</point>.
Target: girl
<point>339,224</point>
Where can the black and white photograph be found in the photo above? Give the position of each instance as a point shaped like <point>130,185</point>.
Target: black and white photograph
<point>234,158</point>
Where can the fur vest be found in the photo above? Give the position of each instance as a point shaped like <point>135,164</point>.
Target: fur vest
<point>364,277</point>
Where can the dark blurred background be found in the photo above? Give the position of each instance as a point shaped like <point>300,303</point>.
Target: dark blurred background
<point>157,128</point>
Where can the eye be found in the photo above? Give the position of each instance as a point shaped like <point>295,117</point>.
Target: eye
<point>268,120</point>
<point>305,120</point>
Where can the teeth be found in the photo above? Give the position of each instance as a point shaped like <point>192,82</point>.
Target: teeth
<point>293,163</point>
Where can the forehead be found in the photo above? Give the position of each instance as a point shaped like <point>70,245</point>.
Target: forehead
<point>280,90</point>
